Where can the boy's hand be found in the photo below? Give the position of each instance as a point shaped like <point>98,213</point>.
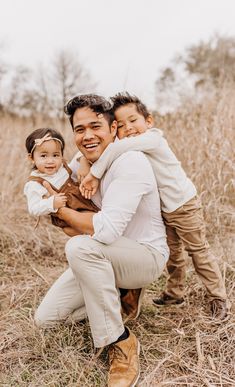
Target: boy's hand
<point>89,186</point>
<point>59,198</point>
<point>84,169</point>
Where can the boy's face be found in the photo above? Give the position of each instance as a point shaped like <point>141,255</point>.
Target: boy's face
<point>130,122</point>
<point>92,132</point>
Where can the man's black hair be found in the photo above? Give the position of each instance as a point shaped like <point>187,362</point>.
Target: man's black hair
<point>95,102</point>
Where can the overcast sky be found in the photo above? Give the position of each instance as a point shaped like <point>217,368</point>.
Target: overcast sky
<point>123,43</point>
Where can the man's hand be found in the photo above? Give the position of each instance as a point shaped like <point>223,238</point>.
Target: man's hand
<point>59,198</point>
<point>80,222</point>
<point>84,169</point>
<point>89,186</point>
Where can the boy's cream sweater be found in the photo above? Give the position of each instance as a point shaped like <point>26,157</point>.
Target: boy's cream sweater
<point>174,186</point>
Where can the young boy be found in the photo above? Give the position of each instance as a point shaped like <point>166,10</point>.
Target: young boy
<point>181,208</point>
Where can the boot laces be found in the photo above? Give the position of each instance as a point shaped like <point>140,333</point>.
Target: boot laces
<point>116,353</point>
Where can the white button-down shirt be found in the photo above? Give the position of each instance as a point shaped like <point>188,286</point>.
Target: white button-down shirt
<point>130,204</point>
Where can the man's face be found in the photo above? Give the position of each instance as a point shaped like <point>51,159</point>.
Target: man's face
<point>92,132</point>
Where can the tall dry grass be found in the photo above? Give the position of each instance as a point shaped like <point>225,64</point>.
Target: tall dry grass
<point>179,346</point>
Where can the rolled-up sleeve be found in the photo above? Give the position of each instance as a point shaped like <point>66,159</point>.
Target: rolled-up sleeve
<point>131,178</point>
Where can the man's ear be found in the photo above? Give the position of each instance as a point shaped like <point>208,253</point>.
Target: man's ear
<point>113,128</point>
<point>149,121</point>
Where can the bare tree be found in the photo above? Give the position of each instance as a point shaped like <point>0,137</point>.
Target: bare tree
<point>203,69</point>
<point>44,91</point>
<point>69,77</point>
<point>20,97</point>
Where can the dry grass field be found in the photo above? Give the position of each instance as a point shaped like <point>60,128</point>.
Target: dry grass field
<point>179,346</point>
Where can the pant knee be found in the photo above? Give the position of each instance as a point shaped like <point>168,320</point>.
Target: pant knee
<point>76,244</point>
<point>39,319</point>
<point>80,248</point>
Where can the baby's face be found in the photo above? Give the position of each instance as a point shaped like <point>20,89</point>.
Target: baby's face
<point>47,157</point>
<point>130,122</point>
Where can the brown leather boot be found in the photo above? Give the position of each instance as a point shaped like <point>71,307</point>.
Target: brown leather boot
<point>124,362</point>
<point>219,309</point>
<point>131,302</point>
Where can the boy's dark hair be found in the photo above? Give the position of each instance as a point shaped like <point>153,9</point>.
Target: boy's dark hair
<point>95,102</point>
<point>40,133</point>
<point>124,98</point>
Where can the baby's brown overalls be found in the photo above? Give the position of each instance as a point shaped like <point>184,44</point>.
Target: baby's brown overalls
<point>75,200</point>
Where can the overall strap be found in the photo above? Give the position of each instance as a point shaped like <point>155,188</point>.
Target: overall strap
<point>67,168</point>
<point>40,180</point>
<point>36,178</point>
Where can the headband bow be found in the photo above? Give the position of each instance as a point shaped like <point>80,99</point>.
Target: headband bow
<point>40,141</point>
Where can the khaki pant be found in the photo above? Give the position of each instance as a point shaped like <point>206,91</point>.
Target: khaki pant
<point>185,227</point>
<point>90,286</point>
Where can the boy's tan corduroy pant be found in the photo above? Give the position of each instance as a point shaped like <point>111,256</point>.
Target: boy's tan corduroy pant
<point>90,286</point>
<point>185,227</point>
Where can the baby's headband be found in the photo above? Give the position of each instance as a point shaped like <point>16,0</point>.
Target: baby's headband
<point>47,137</point>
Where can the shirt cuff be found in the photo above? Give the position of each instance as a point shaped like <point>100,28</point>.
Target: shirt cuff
<point>51,204</point>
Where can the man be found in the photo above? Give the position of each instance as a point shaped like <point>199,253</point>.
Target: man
<point>121,246</point>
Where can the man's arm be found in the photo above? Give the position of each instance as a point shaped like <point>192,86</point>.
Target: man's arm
<point>81,222</point>
<point>146,142</point>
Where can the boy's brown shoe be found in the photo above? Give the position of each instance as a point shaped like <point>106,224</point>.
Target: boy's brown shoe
<point>124,362</point>
<point>131,302</point>
<point>165,299</point>
<point>219,309</point>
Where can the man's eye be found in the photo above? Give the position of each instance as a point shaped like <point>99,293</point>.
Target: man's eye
<point>95,126</point>
<point>78,130</point>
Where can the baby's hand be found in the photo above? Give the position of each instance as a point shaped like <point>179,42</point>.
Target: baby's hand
<point>83,170</point>
<point>89,186</point>
<point>59,201</point>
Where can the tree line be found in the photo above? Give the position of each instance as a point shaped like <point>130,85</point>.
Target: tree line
<point>43,90</point>
<point>202,70</point>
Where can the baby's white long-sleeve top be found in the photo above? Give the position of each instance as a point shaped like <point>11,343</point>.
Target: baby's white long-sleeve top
<point>34,191</point>
<point>175,188</point>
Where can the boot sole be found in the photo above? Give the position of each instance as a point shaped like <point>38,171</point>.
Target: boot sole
<point>142,293</point>
<point>137,376</point>
<point>166,305</point>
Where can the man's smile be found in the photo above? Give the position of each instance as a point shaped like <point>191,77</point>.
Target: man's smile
<point>91,146</point>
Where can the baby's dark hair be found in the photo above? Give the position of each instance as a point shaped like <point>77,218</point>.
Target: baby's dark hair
<point>124,98</point>
<point>40,133</point>
<point>95,102</point>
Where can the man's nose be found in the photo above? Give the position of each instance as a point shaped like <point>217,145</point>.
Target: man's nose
<point>88,134</point>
